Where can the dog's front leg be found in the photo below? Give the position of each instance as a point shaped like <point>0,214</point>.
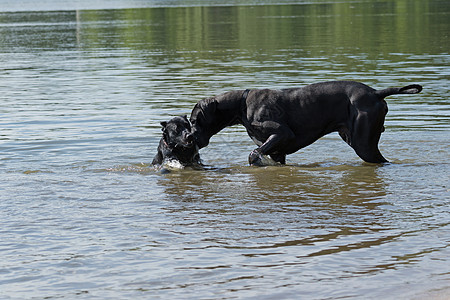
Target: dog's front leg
<point>158,158</point>
<point>256,157</point>
<point>279,158</point>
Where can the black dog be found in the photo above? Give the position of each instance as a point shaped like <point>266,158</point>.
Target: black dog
<point>283,121</point>
<point>177,143</point>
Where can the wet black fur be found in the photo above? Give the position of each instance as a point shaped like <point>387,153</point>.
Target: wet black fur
<point>177,143</point>
<point>284,121</point>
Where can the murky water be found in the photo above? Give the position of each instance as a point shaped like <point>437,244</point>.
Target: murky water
<point>84,85</point>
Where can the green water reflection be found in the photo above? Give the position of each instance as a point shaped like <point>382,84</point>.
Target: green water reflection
<point>373,28</point>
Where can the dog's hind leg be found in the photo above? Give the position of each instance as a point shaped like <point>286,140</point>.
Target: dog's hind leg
<point>366,134</point>
<point>369,153</point>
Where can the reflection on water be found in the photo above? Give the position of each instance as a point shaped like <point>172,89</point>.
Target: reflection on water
<point>83,213</point>
<point>293,220</point>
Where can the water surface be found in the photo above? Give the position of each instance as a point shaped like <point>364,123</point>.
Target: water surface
<point>84,86</point>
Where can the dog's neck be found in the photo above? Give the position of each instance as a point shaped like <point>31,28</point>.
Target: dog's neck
<point>230,108</point>
<point>227,111</point>
<point>245,95</point>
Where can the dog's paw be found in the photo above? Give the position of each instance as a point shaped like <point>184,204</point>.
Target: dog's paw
<point>255,159</point>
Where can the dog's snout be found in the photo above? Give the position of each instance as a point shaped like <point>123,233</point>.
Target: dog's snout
<point>190,137</point>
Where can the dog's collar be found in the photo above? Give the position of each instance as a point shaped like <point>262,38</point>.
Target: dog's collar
<point>245,94</point>
<point>242,104</point>
<point>165,143</point>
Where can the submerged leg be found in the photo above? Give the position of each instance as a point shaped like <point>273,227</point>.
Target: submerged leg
<point>268,148</point>
<point>366,135</point>
<point>279,158</point>
<point>370,154</point>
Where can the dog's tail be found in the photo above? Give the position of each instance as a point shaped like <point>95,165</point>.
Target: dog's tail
<point>409,89</point>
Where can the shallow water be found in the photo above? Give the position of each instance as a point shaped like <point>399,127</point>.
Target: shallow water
<point>84,215</point>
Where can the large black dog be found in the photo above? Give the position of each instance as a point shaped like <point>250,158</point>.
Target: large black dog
<point>283,121</point>
<point>177,143</point>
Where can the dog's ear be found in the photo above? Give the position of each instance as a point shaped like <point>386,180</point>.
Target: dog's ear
<point>163,124</point>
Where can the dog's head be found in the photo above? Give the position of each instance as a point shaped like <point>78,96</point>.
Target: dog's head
<point>203,118</point>
<point>177,144</point>
<point>177,133</point>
